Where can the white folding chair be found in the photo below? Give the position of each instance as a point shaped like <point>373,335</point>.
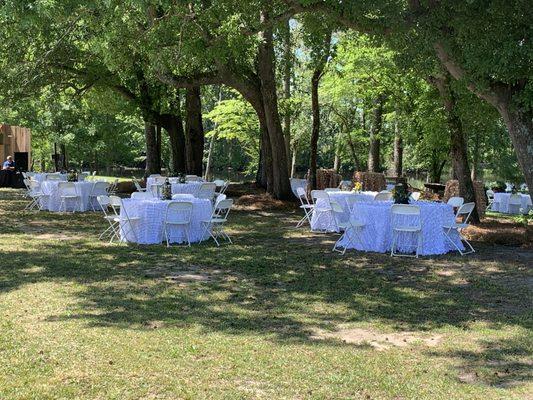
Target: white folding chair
<point>113,221</point>
<point>305,205</point>
<point>138,186</point>
<point>321,206</point>
<point>415,196</point>
<point>221,185</point>
<point>35,193</point>
<point>515,204</point>
<point>52,177</point>
<point>219,218</point>
<point>178,215</point>
<point>125,222</point>
<point>400,214</point>
<point>456,202</point>
<point>464,212</point>
<point>383,196</point>
<point>193,178</point>
<point>220,197</point>
<point>83,176</point>
<point>142,196</point>
<point>350,228</point>
<point>206,191</point>
<point>112,189</point>
<point>98,189</point>
<point>490,199</point>
<point>68,192</point>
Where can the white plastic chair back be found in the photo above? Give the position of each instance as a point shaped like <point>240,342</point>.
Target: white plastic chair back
<point>82,176</point>
<point>193,178</point>
<point>34,187</point>
<point>302,195</point>
<point>405,215</point>
<point>160,180</point>
<point>456,202</point>
<point>206,191</point>
<point>219,182</point>
<point>465,210</point>
<point>319,194</point>
<point>219,198</point>
<point>182,196</point>
<point>53,177</point>
<point>142,196</point>
<point>490,194</point>
<point>383,196</point>
<point>222,208</point>
<point>179,212</point>
<point>99,189</point>
<point>415,196</point>
<point>67,189</point>
<point>137,186</point>
<point>104,202</point>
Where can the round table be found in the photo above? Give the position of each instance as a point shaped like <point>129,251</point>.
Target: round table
<point>151,213</point>
<point>376,235</point>
<point>41,177</point>
<point>51,201</point>
<point>326,221</point>
<point>501,203</point>
<point>186,188</point>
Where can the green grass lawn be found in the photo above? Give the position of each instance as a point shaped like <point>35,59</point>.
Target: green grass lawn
<point>274,316</point>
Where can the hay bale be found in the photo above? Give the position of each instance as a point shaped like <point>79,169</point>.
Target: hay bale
<point>126,187</point>
<point>327,178</point>
<point>452,190</point>
<point>371,181</point>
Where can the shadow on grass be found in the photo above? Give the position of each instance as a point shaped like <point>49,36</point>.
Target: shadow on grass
<point>275,281</point>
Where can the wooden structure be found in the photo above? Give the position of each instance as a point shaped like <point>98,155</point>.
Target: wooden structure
<point>15,141</point>
<point>371,181</point>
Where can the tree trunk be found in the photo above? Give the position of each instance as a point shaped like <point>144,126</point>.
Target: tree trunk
<point>64,157</point>
<point>519,123</point>
<point>436,167</point>
<point>293,163</point>
<point>287,64</point>
<point>264,176</point>
<point>475,157</point>
<point>194,134</point>
<point>153,165</point>
<point>336,162</point>
<point>281,188</point>
<point>174,127</point>
<point>315,131</point>
<point>208,165</point>
<point>374,164</point>
<point>158,143</point>
<point>398,151</point>
<point>56,159</point>
<point>353,150</point>
<point>458,148</point>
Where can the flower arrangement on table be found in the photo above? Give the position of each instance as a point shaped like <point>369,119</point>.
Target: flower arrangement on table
<point>166,191</point>
<point>72,176</point>
<point>400,194</point>
<point>357,187</point>
<point>182,178</point>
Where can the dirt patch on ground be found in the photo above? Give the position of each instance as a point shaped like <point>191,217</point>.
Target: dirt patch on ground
<point>191,274</point>
<point>502,231</point>
<point>262,202</point>
<point>378,340</point>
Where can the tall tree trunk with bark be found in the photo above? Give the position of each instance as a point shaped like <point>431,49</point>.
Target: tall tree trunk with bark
<point>374,151</point>
<point>398,151</point>
<point>437,166</point>
<point>264,176</point>
<point>153,165</point>
<point>194,134</point>
<point>287,67</point>
<point>173,124</point>
<point>458,149</point>
<point>281,188</point>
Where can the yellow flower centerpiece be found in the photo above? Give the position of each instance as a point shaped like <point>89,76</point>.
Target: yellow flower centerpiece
<point>357,187</point>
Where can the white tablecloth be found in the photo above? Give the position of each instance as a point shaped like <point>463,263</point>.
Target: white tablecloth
<point>501,203</point>
<point>186,188</point>
<point>53,201</point>
<point>377,233</point>
<point>149,228</point>
<point>325,221</point>
<point>42,176</point>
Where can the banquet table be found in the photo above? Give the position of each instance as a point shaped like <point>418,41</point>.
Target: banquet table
<point>148,229</point>
<point>52,201</point>
<point>326,221</point>
<point>376,235</point>
<point>186,188</point>
<point>501,202</point>
<point>41,177</point>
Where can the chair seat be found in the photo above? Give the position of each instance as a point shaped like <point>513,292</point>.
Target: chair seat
<point>408,228</point>
<point>215,221</point>
<point>307,206</point>
<point>177,222</point>
<point>456,225</point>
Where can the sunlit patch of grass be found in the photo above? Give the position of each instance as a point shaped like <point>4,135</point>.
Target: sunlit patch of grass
<point>276,315</point>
